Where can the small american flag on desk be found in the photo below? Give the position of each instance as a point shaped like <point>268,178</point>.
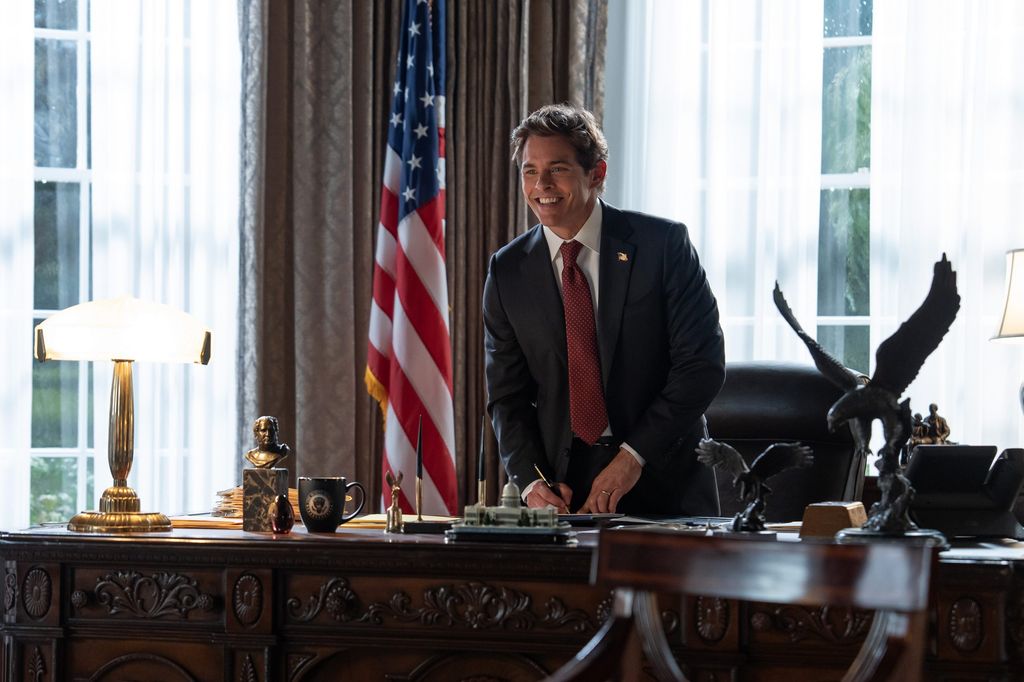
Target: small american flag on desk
<point>409,363</point>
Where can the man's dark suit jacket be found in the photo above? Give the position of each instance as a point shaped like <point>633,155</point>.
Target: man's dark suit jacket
<point>662,358</point>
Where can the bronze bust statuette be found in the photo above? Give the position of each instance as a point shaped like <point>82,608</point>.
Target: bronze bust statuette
<point>268,451</point>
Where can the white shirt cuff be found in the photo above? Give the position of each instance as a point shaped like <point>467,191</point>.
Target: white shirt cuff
<point>528,488</point>
<point>636,455</point>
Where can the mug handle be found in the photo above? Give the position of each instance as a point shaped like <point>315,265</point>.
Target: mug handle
<point>362,500</point>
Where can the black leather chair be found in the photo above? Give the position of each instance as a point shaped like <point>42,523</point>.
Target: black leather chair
<point>771,402</point>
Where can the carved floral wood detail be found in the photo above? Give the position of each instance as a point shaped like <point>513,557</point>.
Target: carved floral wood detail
<point>247,599</point>
<point>479,606</point>
<point>248,673</point>
<point>36,666</point>
<point>966,625</point>
<point>296,663</point>
<point>36,592</point>
<point>10,586</point>
<point>148,596</point>
<point>335,595</point>
<point>712,618</point>
<point>837,625</point>
<point>475,605</point>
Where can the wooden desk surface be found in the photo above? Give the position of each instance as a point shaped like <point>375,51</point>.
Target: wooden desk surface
<point>361,604</point>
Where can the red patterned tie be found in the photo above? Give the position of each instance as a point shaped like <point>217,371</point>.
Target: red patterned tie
<point>587,412</point>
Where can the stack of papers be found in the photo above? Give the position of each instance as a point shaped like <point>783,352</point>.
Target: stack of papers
<point>229,503</point>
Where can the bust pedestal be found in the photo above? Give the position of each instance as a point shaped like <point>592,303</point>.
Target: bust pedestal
<point>260,487</point>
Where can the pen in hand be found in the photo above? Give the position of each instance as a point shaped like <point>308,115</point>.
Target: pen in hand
<point>551,487</point>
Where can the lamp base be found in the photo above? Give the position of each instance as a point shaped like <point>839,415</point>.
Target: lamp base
<point>119,513</point>
<point>119,522</point>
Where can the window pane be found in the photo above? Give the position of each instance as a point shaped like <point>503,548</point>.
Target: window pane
<point>90,482</point>
<point>846,110</point>
<point>843,253</point>
<point>848,344</point>
<point>56,245</point>
<point>54,487</point>
<point>57,14</point>
<point>847,18</point>
<point>89,414</point>
<point>54,404</point>
<point>56,103</point>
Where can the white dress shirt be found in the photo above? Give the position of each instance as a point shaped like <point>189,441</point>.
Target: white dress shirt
<point>589,262</point>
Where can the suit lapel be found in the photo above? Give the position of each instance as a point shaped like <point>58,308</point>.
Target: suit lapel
<point>539,278</point>
<point>617,255</point>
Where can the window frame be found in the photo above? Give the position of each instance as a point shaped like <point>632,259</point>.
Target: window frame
<point>83,452</point>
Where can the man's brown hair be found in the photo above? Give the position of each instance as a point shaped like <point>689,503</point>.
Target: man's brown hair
<point>576,124</point>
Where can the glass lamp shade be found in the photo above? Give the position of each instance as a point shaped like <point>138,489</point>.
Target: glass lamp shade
<point>122,330</point>
<point>1011,324</point>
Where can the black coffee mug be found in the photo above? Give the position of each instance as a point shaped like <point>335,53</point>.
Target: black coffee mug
<point>322,502</point>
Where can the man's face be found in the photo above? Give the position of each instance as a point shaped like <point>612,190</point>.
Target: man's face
<point>556,187</point>
<point>264,431</point>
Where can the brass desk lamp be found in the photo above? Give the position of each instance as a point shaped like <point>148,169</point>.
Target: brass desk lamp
<point>123,330</point>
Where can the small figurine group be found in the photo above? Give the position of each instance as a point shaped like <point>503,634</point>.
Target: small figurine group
<point>932,430</point>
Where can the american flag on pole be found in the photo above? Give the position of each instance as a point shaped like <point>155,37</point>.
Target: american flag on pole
<point>409,361</point>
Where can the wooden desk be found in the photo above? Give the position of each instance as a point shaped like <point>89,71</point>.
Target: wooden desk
<point>361,605</point>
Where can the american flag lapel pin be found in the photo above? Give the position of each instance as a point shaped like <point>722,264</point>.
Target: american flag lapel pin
<point>623,257</point>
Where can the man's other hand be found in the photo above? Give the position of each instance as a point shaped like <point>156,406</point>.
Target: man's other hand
<point>614,481</point>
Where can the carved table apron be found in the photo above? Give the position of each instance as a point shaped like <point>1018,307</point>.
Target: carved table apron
<point>362,605</point>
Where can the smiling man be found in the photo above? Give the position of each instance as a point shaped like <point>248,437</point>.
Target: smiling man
<point>602,341</point>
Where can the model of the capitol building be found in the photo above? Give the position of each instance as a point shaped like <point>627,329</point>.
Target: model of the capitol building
<point>510,513</point>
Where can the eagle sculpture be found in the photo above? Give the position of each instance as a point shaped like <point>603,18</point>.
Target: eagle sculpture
<point>897,361</point>
<point>751,480</point>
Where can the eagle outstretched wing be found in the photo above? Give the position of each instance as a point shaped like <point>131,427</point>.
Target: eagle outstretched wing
<point>899,358</point>
<point>832,369</point>
<point>779,457</point>
<point>721,456</point>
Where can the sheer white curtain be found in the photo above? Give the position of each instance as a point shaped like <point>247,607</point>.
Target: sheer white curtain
<point>947,171</point>
<point>165,115</point>
<point>16,258</point>
<point>713,113</point>
<point>707,112</point>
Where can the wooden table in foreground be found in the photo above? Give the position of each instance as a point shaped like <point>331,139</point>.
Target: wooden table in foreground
<point>362,605</point>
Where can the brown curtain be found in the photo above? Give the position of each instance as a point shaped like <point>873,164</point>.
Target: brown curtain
<point>317,82</point>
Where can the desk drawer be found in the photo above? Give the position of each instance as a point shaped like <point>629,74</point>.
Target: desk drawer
<point>146,594</point>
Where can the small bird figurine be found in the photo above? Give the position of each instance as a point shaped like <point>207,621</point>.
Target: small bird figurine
<point>898,359</point>
<point>751,480</point>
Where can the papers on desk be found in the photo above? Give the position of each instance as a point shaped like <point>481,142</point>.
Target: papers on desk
<point>585,520</point>
<point>789,527</point>
<point>373,521</point>
<point>379,521</point>
<point>207,521</point>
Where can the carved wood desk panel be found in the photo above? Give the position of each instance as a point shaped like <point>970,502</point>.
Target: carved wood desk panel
<point>361,605</point>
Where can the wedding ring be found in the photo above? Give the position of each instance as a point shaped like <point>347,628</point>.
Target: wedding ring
<point>605,492</point>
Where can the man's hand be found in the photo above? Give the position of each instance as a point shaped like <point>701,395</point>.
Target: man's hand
<point>541,496</point>
<point>614,481</point>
